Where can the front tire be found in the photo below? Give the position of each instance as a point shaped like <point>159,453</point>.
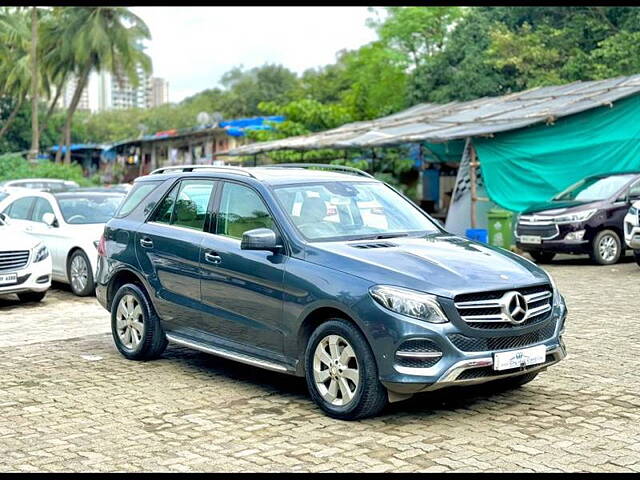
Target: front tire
<point>80,274</point>
<point>606,248</point>
<point>341,372</point>
<point>27,297</point>
<point>135,327</point>
<point>636,256</point>
<point>542,257</point>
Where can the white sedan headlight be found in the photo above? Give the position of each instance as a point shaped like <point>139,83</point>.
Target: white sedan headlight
<point>408,302</point>
<point>42,252</point>
<point>574,217</point>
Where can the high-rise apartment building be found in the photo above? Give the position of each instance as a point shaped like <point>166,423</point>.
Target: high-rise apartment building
<point>159,91</point>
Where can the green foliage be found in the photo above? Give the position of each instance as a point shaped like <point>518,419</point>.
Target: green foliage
<point>15,166</point>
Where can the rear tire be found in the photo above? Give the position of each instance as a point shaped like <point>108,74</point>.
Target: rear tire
<point>135,327</point>
<point>606,248</point>
<point>542,257</point>
<point>341,372</point>
<point>31,296</point>
<point>80,274</point>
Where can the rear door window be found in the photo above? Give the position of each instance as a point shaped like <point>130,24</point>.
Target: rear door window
<point>20,209</point>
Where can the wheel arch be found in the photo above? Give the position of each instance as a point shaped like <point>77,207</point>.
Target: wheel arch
<point>120,278</point>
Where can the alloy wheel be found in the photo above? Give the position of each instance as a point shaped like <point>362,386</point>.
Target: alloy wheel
<point>335,370</point>
<point>129,322</point>
<point>608,248</point>
<point>79,273</point>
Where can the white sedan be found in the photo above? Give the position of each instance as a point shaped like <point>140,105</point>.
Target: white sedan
<point>25,264</point>
<point>69,224</point>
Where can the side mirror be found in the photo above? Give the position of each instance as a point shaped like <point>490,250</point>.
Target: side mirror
<point>50,219</point>
<point>4,218</point>
<point>260,239</point>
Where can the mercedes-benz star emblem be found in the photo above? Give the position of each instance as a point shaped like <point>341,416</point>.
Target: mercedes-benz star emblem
<point>515,307</point>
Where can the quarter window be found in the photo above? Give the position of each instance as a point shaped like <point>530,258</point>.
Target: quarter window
<point>241,209</point>
<point>135,197</point>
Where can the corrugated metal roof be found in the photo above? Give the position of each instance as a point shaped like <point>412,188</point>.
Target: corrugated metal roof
<point>435,123</point>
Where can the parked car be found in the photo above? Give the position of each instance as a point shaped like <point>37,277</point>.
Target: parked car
<point>25,264</point>
<point>45,184</point>
<point>632,230</point>
<point>214,259</point>
<point>70,224</point>
<point>585,218</point>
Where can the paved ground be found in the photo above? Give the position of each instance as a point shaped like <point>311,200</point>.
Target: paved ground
<point>69,402</point>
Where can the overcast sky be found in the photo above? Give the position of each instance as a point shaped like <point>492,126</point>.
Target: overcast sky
<point>192,47</point>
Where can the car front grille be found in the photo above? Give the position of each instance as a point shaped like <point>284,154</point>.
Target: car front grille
<point>542,230</point>
<point>485,344</point>
<point>489,310</point>
<point>14,260</point>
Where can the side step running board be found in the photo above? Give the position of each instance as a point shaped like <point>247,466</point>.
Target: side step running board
<point>221,352</point>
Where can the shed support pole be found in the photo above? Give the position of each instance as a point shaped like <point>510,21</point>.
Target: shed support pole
<point>473,178</point>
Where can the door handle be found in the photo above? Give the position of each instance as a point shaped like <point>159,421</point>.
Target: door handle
<point>146,243</point>
<point>213,257</point>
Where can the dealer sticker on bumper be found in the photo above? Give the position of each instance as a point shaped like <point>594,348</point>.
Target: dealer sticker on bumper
<point>519,358</point>
<point>8,278</point>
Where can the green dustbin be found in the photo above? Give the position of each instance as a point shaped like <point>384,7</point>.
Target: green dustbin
<point>500,223</point>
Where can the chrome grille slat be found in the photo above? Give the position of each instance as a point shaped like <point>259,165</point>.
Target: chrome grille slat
<point>478,314</point>
<point>13,260</point>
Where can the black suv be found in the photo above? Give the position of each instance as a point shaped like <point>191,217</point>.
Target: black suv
<point>586,218</point>
<point>332,276</point>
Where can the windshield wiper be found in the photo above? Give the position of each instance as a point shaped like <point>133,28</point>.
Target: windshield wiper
<point>382,236</point>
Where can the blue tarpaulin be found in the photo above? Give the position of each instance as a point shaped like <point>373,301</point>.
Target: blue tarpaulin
<point>237,128</point>
<point>78,146</point>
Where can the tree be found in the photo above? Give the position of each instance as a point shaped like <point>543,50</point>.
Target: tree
<point>100,39</point>
<point>35,86</point>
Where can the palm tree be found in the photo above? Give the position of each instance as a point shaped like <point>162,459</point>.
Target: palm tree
<point>98,39</point>
<point>15,74</point>
<point>35,87</point>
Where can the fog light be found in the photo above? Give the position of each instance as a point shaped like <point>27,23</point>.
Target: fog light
<point>575,236</point>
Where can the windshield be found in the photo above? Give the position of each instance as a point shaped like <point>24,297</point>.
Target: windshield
<point>594,188</point>
<point>351,210</point>
<point>89,209</point>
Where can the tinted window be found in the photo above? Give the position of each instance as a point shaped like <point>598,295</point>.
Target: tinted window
<point>165,209</point>
<point>138,193</point>
<point>20,209</point>
<point>191,206</point>
<point>89,209</point>
<point>634,191</point>
<point>241,209</point>
<point>41,207</point>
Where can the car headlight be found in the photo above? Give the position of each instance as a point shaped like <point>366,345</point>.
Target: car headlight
<point>633,211</point>
<point>42,252</point>
<point>558,299</point>
<point>574,217</point>
<point>409,302</point>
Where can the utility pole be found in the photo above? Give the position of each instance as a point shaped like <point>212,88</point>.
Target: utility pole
<point>35,131</point>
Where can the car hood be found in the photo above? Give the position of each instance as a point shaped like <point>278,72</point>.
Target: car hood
<point>442,264</point>
<point>14,239</point>
<point>558,207</point>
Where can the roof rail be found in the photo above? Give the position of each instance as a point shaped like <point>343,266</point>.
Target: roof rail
<point>323,166</point>
<point>191,168</point>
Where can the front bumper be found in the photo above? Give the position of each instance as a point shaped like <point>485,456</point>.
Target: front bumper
<point>632,235</point>
<point>553,237</point>
<point>458,364</point>
<point>35,277</point>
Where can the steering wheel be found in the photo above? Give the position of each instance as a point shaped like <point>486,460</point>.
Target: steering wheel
<point>78,217</point>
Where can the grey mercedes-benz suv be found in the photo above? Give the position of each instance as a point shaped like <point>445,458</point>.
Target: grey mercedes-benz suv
<point>329,275</point>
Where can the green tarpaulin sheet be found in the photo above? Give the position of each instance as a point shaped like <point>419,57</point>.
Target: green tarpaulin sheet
<point>531,165</point>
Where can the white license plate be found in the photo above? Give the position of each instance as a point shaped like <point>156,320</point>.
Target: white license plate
<point>519,358</point>
<point>8,278</point>
<point>531,239</point>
